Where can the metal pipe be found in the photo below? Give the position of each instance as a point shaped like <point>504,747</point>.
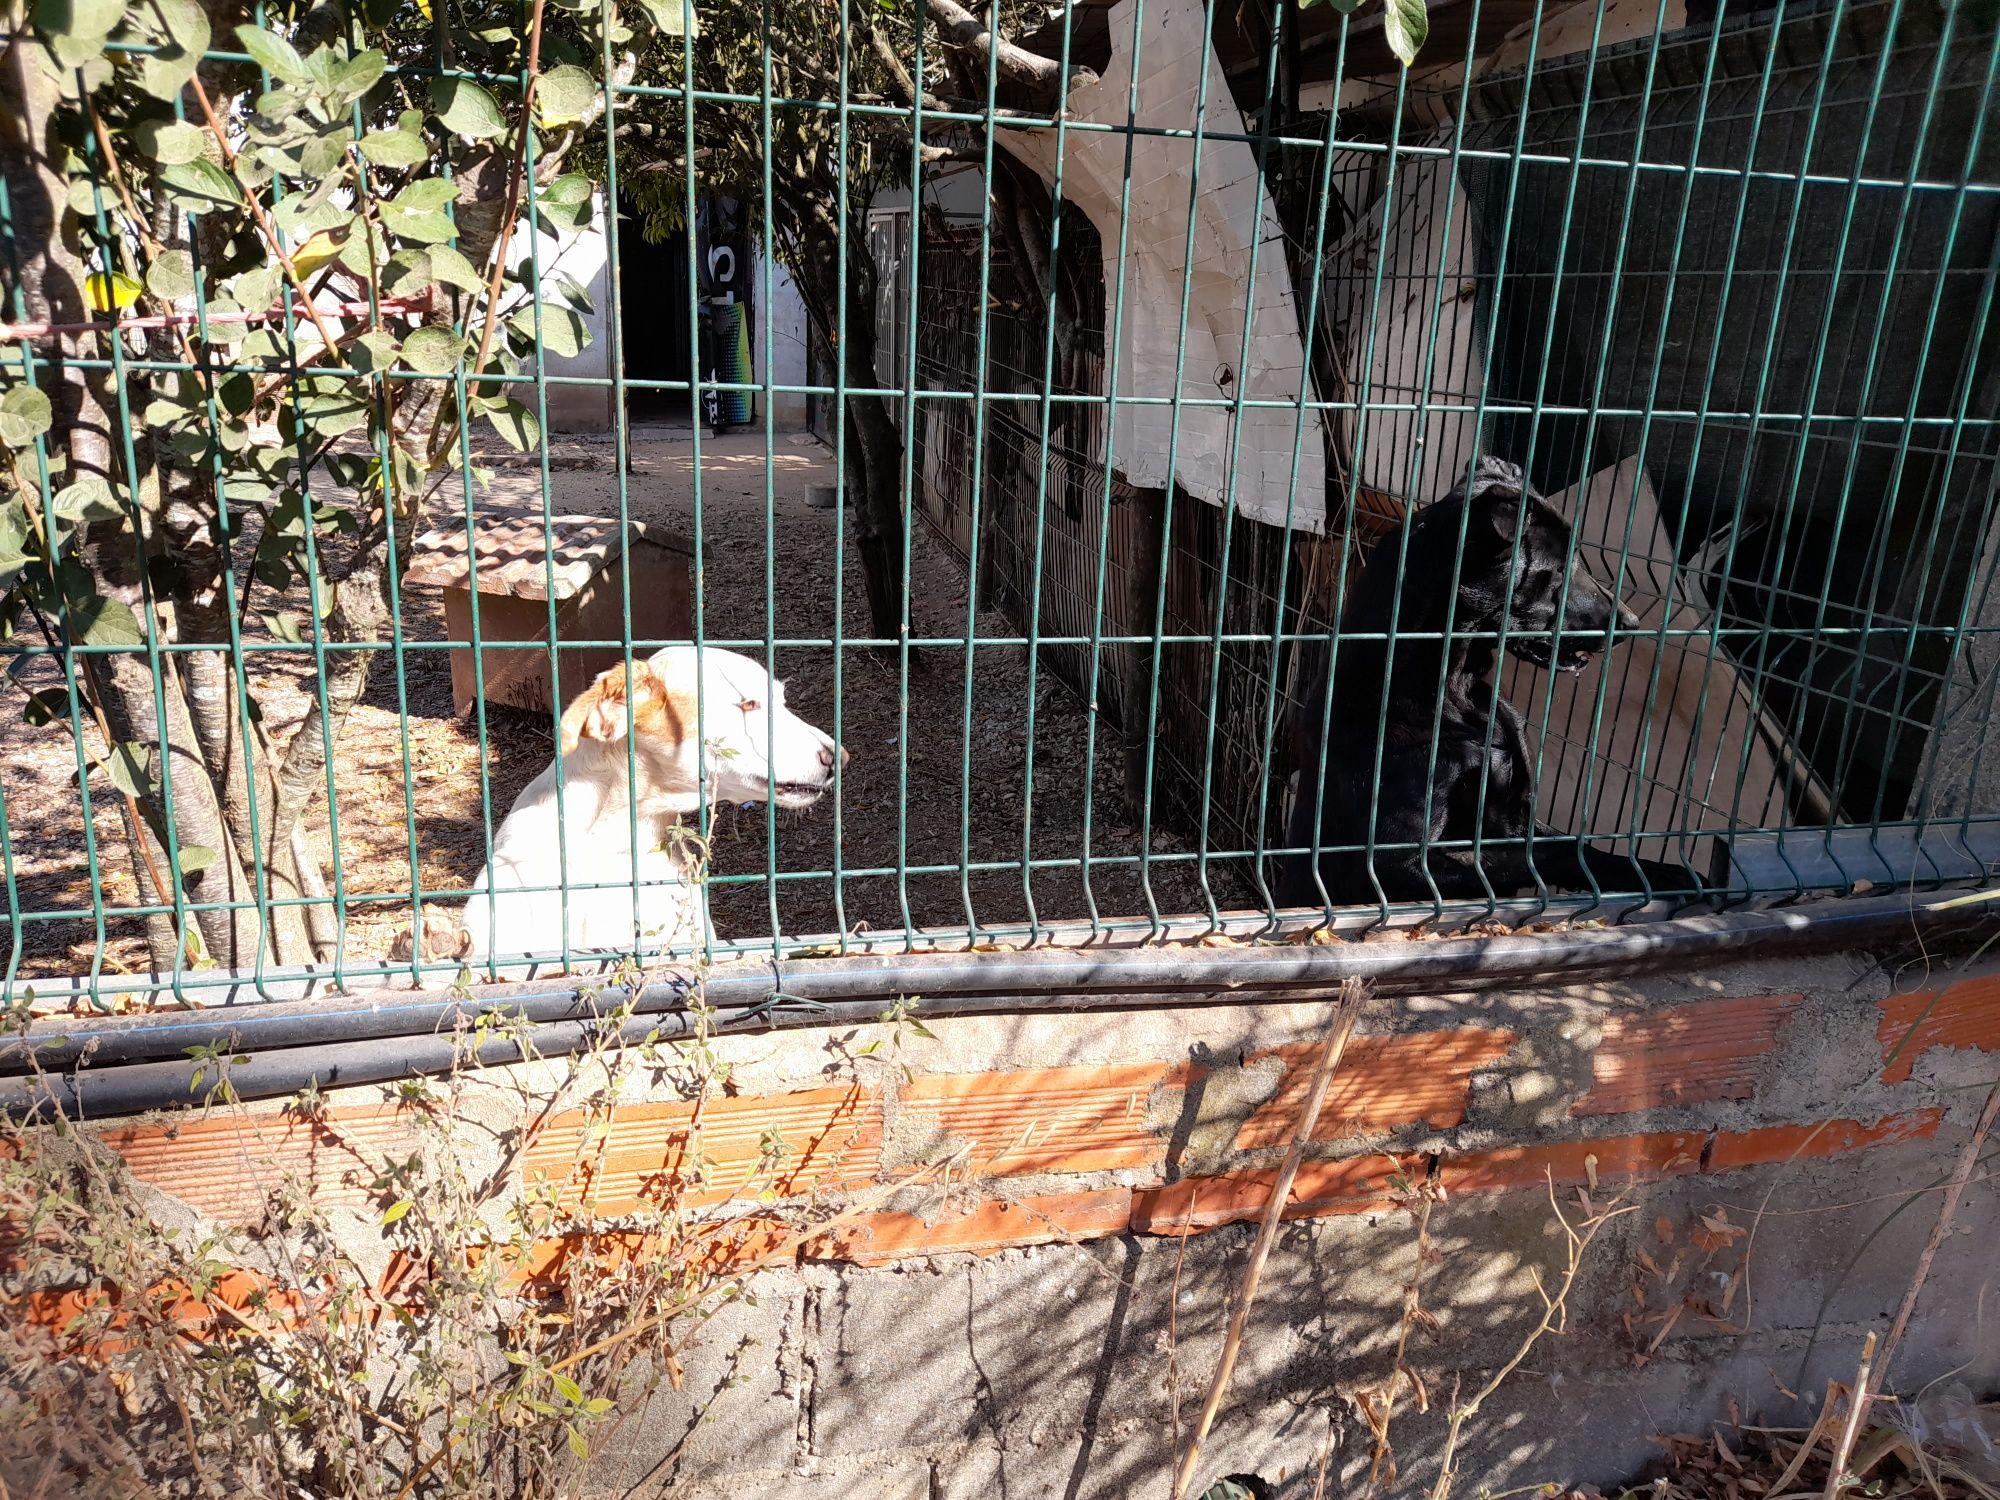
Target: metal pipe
<point>118,1066</point>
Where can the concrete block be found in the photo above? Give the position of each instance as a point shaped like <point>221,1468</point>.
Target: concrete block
<point>1835,1241</point>
<point>738,1404</point>
<point>961,1350</point>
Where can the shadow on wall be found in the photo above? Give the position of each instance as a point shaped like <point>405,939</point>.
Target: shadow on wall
<point>1754,1262</point>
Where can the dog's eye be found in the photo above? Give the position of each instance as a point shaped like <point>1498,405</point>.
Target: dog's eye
<point>749,705</point>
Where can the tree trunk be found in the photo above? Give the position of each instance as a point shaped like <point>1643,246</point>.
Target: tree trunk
<point>881,533</point>
<point>51,282</point>
<point>874,447</point>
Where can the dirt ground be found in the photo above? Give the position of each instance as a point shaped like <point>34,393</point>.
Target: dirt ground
<point>379,794</point>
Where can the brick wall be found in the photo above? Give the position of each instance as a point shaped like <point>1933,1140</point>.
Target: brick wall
<point>1029,1322</point>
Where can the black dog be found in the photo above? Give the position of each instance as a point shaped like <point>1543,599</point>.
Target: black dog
<point>1442,693</point>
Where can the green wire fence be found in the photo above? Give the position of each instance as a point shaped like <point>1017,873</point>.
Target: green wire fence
<point>1136,338</point>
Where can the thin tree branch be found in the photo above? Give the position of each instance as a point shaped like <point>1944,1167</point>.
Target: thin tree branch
<point>509,211</point>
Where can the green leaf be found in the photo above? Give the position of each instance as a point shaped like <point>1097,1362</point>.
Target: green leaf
<point>171,143</point>
<point>563,95</point>
<point>1405,25</point>
<point>397,1209</point>
<point>674,17</point>
<point>82,199</point>
<point>199,186</point>
<point>196,858</point>
<point>424,226</point>
<point>428,196</point>
<point>25,414</point>
<point>98,621</point>
<point>47,707</point>
<point>566,201</point>
<point>372,353</point>
<point>79,18</point>
<point>14,531</point>
<point>395,148</point>
<point>564,333</point>
<point>363,252</point>
<point>572,292</point>
<point>236,393</point>
<point>409,272</point>
<point>433,351</point>
<point>597,1406</point>
<point>257,288</point>
<point>273,53</point>
<point>466,109</point>
<point>568,1389</point>
<point>167,71</point>
<point>328,406</point>
<point>286,628</point>
<point>517,425</point>
<point>171,277</point>
<point>186,23</point>
<point>89,499</point>
<point>576,1443</point>
<point>452,268</point>
<point>321,156</point>
<point>280,105</point>
<point>358,75</point>
<point>130,768</point>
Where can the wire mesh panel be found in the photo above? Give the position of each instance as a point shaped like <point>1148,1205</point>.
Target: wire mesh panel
<point>1075,486</point>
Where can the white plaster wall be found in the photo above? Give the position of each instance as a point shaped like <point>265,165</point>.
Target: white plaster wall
<point>586,259</point>
<point>1232,214</point>
<point>783,315</point>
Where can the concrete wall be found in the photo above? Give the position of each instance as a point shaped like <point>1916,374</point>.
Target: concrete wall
<point>785,316</point>
<point>1035,1324</point>
<point>586,259</point>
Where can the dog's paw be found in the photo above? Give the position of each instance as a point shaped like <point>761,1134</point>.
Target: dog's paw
<point>440,942</point>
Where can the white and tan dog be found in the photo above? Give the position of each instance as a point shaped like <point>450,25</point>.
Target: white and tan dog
<point>753,749</point>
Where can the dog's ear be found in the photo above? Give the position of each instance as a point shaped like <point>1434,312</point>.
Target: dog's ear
<point>1496,477</point>
<point>600,711</point>
<point>1499,493</point>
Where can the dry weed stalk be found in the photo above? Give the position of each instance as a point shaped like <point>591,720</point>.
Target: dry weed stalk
<point>1377,1403</point>
<point>1577,1239</point>
<point>1340,1025</point>
<point>1968,1162</point>
<point>1857,1409</point>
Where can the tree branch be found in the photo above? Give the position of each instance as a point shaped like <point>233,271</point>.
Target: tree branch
<point>891,63</point>
<point>1043,76</point>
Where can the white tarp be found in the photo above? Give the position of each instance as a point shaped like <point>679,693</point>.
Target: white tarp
<point>1422,374</point>
<point>1231,211</point>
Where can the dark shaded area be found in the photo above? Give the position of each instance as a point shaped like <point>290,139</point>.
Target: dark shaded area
<point>1813,394</point>
<point>653,302</point>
